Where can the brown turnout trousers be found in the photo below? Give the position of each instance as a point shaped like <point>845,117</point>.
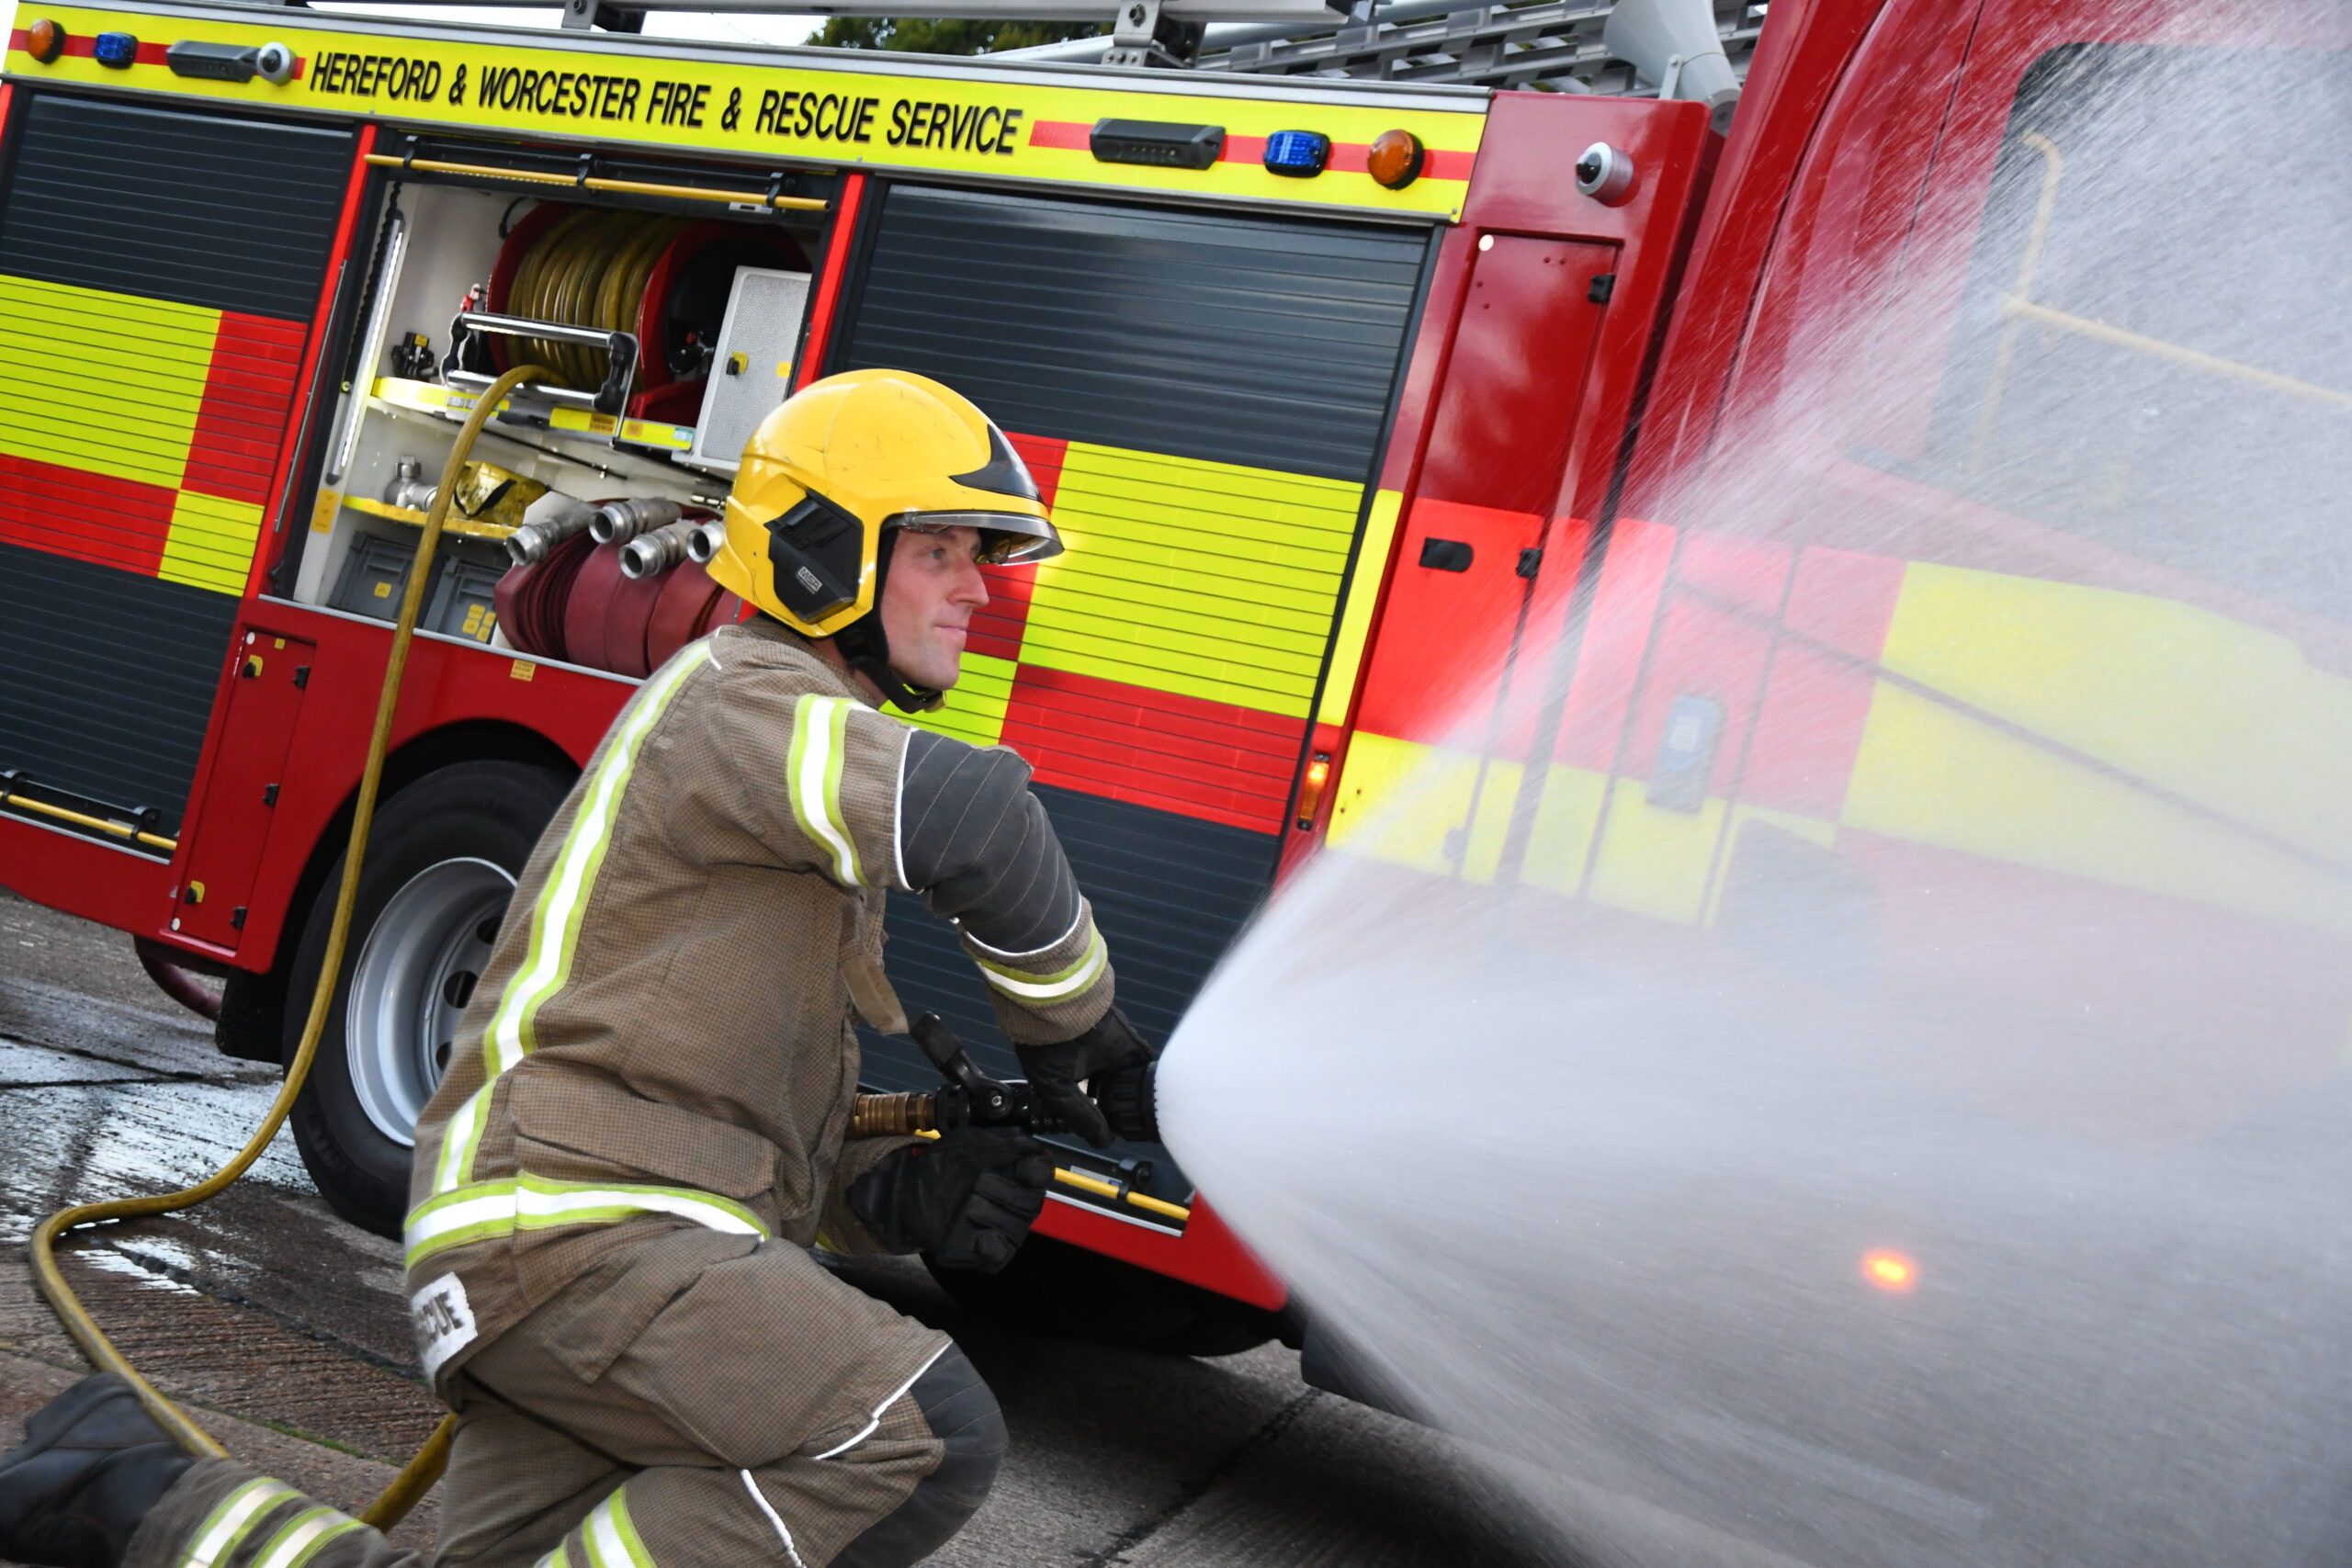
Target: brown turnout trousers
<point>665,1459</point>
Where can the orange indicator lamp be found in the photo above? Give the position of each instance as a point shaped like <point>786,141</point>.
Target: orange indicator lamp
<point>1310,791</point>
<point>1396,159</point>
<point>1890,1271</point>
<point>44,41</point>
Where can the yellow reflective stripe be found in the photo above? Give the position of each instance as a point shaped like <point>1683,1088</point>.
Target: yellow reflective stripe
<point>302,1537</point>
<point>611,1534</point>
<point>210,543</point>
<point>1355,613</point>
<point>1035,987</point>
<point>974,711</point>
<point>94,380</point>
<point>527,1202</point>
<point>461,1139</point>
<point>813,779</point>
<point>1208,580</point>
<point>226,1527</point>
<point>555,922</point>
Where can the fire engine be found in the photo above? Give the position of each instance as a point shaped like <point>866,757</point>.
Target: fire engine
<point>1355,399</point>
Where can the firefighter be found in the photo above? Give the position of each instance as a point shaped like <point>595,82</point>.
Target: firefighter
<point>619,1184</point>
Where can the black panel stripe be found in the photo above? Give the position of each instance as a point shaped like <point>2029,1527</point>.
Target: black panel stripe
<point>108,679</point>
<point>1264,342</point>
<point>1169,893</point>
<point>199,208</point>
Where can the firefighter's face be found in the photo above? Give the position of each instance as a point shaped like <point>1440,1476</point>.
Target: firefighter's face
<point>927,603</point>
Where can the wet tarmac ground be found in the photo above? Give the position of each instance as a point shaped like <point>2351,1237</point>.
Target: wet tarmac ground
<point>282,1326</point>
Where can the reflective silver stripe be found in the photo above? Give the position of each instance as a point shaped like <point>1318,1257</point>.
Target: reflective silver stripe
<point>876,1420</point>
<point>301,1540</point>
<point>611,1538</point>
<point>460,1138</point>
<point>555,923</point>
<point>555,919</point>
<point>1069,982</point>
<point>234,1520</point>
<point>813,776</point>
<point>774,1518</point>
<point>531,1203</point>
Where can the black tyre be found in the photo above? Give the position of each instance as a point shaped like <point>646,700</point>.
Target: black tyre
<point>441,860</point>
<point>1052,1287</point>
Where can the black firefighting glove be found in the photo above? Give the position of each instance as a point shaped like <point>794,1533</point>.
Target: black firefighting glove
<point>966,1198</point>
<point>1111,1054</point>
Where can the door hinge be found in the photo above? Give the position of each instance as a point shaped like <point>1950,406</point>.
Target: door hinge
<point>1602,285</point>
<point>1531,562</point>
<point>269,794</point>
<point>302,675</point>
<point>237,919</point>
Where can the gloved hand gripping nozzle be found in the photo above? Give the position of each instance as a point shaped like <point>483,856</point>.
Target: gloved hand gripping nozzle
<point>972,1098</point>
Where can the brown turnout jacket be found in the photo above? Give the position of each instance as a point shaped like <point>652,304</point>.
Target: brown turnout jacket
<point>662,1039</point>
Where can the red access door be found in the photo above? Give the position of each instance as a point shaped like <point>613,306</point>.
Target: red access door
<point>241,796</point>
<point>1542,319</point>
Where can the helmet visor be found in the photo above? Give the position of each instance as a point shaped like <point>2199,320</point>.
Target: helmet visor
<point>1006,539</point>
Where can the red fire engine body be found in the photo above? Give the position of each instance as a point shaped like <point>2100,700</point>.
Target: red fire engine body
<point>1554,358</point>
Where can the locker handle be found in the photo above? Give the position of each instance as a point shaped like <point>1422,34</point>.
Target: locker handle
<point>1446,555</point>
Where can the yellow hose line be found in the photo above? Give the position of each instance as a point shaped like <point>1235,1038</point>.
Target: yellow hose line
<point>597,182</point>
<point>421,1472</point>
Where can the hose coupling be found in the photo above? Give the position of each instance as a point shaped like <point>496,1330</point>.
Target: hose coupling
<point>882,1115</point>
<point>704,543</point>
<point>533,539</point>
<point>619,521</point>
<point>657,550</point>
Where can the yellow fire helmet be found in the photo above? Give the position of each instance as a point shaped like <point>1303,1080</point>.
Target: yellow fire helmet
<point>839,466</point>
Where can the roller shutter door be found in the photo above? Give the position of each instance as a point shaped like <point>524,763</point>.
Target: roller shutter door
<point>1201,398</point>
<point>158,275</point>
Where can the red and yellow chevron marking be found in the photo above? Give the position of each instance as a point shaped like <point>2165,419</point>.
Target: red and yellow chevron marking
<point>140,434</point>
<point>2105,738</point>
<point>1169,657</point>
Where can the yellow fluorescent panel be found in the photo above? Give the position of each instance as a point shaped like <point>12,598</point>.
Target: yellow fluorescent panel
<point>211,542</point>
<point>1355,618</point>
<point>1412,805</point>
<point>1561,835</point>
<point>70,396</point>
<point>1209,580</point>
<point>975,709</point>
<point>2226,714</point>
<point>1934,777</point>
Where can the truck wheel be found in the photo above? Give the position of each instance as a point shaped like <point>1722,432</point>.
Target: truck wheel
<point>1052,1287</point>
<point>441,860</point>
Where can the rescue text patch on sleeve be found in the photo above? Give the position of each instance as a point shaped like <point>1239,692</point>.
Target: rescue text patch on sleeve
<point>445,1322</point>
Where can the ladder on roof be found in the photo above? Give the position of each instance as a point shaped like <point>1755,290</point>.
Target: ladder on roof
<point>1548,44</point>
<point>1553,45</point>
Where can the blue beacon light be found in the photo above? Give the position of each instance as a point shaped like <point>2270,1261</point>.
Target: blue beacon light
<point>1300,154</point>
<point>118,49</point>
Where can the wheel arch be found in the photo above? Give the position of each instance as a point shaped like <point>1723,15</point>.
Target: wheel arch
<point>249,994</point>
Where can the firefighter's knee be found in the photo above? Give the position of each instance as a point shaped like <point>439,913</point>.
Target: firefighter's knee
<point>963,1414</point>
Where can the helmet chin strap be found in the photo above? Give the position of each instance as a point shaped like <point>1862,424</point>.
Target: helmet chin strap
<point>866,646</point>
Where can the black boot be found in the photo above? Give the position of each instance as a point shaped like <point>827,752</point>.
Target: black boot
<point>92,1463</point>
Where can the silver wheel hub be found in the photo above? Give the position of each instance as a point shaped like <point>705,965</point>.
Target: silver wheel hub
<point>416,972</point>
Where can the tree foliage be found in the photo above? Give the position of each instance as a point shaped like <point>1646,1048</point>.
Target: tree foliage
<point>920,35</point>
